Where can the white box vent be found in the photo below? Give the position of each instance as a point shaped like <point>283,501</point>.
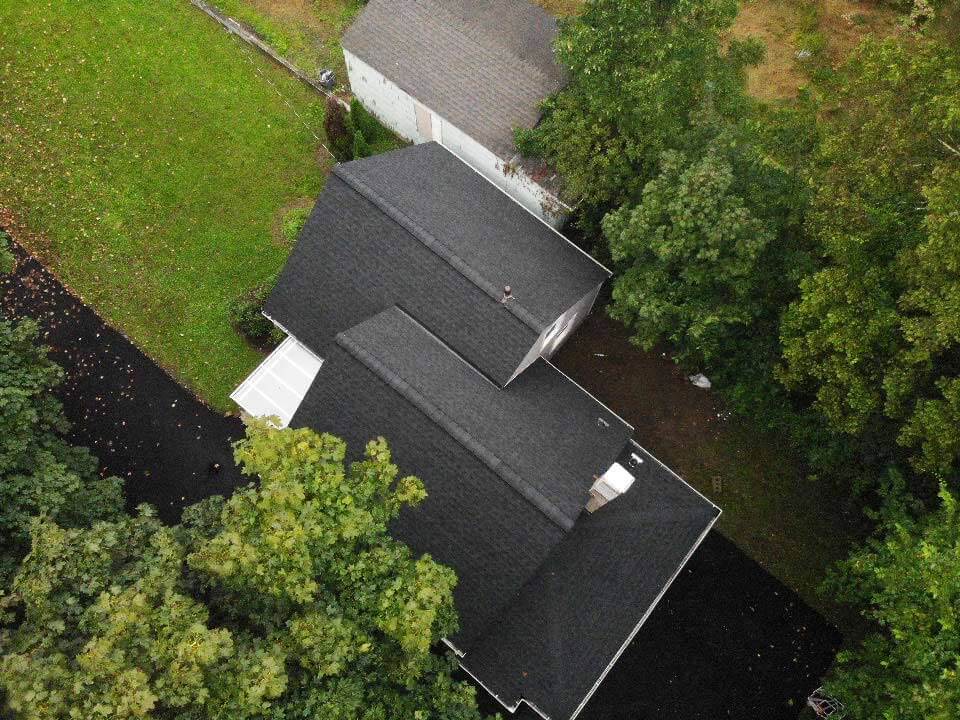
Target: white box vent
<point>613,483</point>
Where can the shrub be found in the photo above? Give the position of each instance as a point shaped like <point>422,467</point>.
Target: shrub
<point>339,130</point>
<point>364,122</point>
<point>361,148</point>
<point>246,316</point>
<point>7,261</point>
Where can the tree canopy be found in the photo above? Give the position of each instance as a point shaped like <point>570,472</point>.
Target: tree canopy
<point>874,333</point>
<point>697,252</point>
<point>40,473</point>
<point>289,600</point>
<point>908,584</point>
<point>637,69</point>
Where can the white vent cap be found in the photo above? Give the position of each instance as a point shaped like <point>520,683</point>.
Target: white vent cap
<point>618,478</point>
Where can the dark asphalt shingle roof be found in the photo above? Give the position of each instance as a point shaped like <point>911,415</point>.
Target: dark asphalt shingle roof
<point>444,199</point>
<point>418,228</point>
<point>483,65</point>
<point>471,520</point>
<point>394,282</point>
<point>554,642</point>
<point>547,595</point>
<point>543,435</point>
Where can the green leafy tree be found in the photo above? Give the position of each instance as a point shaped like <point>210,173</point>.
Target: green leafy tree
<point>923,383</point>
<point>361,148</point>
<point>289,600</point>
<point>637,70</point>
<point>109,631</point>
<point>40,473</point>
<point>872,337</point>
<point>691,253</point>
<point>908,582</point>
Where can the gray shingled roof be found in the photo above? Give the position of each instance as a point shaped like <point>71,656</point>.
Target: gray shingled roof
<point>395,282</point>
<point>545,605</point>
<point>483,65</point>
<point>551,646</point>
<point>471,520</point>
<point>420,229</point>
<point>507,471</point>
<point>543,435</point>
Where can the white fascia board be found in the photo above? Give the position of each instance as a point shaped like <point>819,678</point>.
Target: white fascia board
<point>656,600</point>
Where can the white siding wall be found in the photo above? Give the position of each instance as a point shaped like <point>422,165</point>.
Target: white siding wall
<point>396,109</point>
<point>516,184</point>
<point>389,103</point>
<point>557,333</point>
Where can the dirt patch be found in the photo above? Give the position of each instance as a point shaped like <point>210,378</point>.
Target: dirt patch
<point>276,228</point>
<point>561,8</point>
<point>670,415</point>
<point>844,23</point>
<point>775,23</point>
<point>793,528</point>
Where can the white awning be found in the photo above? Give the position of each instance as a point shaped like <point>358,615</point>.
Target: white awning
<point>277,387</point>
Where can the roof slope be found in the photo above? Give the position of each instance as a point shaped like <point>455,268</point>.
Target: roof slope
<point>483,65</point>
<point>543,435</point>
<point>443,246</point>
<point>494,523</point>
<point>470,520</point>
<point>444,199</point>
<point>553,644</point>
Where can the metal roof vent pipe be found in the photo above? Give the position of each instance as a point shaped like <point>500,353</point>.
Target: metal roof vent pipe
<point>507,294</point>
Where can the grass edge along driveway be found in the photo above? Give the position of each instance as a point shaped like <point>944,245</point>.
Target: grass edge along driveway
<point>147,154</point>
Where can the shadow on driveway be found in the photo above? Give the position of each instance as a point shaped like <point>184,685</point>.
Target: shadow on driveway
<point>728,640</point>
<point>144,427</point>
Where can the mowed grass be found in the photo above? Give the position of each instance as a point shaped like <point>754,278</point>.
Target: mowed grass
<point>146,154</point>
<point>306,32</point>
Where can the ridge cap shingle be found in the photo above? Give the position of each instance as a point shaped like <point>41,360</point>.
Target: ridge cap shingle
<point>452,428</point>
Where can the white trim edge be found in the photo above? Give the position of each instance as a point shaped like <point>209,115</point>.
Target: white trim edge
<point>653,605</point>
<point>490,692</point>
<point>597,401</point>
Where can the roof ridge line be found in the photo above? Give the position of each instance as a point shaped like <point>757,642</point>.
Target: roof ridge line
<point>514,307</point>
<point>488,458</point>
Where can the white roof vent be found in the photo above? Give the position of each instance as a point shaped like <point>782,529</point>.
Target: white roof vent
<point>613,483</point>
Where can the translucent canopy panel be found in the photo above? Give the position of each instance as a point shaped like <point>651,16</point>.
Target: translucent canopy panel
<point>278,385</point>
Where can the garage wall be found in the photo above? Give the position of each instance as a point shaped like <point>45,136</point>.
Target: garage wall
<point>515,183</point>
<point>398,111</point>
<point>392,106</point>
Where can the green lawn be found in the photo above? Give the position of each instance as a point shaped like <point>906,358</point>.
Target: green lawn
<point>147,153</point>
<point>307,32</point>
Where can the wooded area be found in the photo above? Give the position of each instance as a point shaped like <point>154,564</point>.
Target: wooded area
<point>805,256</point>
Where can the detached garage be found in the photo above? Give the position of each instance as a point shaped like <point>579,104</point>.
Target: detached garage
<point>463,73</point>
